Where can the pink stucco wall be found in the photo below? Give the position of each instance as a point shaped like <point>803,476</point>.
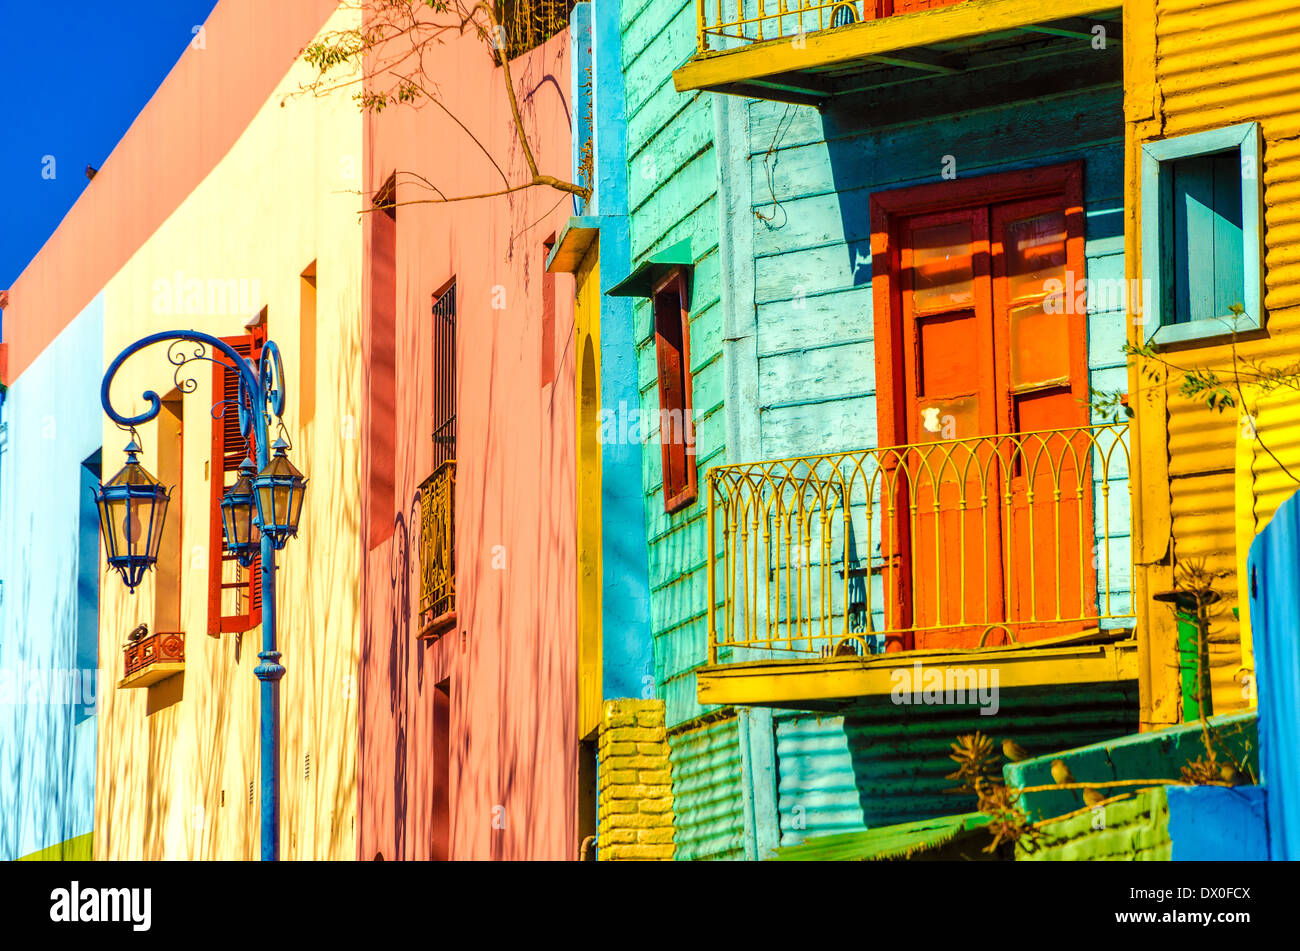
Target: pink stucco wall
<point>511,659</point>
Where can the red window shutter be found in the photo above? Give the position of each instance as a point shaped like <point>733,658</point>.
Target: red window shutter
<point>228,451</point>
<point>673,355</point>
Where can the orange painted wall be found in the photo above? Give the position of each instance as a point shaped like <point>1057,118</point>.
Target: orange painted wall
<point>511,660</point>
<point>193,119</point>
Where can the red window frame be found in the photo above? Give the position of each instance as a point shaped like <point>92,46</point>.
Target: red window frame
<point>670,303</point>
<point>228,451</point>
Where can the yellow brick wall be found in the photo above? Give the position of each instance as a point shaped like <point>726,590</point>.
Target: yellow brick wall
<point>636,793</point>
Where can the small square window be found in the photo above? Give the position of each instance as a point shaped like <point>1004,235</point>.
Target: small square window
<point>1201,234</point>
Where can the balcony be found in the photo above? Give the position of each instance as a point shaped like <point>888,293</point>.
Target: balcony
<point>153,658</point>
<point>808,51</point>
<point>438,551</point>
<point>1015,545</point>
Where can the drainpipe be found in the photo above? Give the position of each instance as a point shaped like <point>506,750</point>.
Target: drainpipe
<point>1191,611</point>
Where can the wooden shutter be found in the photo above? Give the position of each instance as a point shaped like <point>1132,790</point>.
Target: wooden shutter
<point>673,354</point>
<point>228,451</point>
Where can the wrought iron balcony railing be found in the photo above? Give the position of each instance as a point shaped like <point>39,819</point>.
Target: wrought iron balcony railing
<point>438,550</point>
<point>725,23</point>
<point>947,544</point>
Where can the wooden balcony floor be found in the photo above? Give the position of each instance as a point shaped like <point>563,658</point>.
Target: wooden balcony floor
<point>966,39</point>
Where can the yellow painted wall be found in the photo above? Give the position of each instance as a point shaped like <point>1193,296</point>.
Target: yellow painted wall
<point>1192,66</point>
<point>590,579</point>
<point>176,760</point>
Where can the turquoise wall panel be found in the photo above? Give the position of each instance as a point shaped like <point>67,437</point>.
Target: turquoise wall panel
<point>51,423</point>
<point>882,764</point>
<point>672,192</point>
<point>708,805</point>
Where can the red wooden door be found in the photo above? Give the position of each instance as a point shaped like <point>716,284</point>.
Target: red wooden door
<point>951,541</point>
<point>1044,377</point>
<point>989,525</point>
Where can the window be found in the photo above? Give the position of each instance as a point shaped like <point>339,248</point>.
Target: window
<point>169,572</point>
<point>307,344</point>
<point>673,354</point>
<point>444,374</point>
<point>1201,230</point>
<point>440,786</point>
<point>234,592</point>
<point>548,317</point>
<point>88,578</point>
<point>382,380</point>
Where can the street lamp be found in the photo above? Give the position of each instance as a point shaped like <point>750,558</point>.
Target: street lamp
<point>280,487</point>
<point>259,513</point>
<point>132,509</point>
<point>239,517</point>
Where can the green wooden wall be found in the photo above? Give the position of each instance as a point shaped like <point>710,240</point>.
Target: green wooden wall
<point>673,194</point>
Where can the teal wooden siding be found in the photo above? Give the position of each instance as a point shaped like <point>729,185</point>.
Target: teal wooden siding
<point>708,808</point>
<point>884,764</point>
<point>672,187</point>
<point>1207,243</point>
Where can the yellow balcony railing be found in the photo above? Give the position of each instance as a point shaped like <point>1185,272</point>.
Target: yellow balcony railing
<point>947,544</point>
<point>728,22</point>
<point>438,550</point>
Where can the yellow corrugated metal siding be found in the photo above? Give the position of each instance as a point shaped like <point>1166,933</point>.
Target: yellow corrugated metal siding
<point>1218,63</point>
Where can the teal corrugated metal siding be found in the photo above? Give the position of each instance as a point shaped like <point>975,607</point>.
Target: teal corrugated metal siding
<point>884,764</point>
<point>707,804</point>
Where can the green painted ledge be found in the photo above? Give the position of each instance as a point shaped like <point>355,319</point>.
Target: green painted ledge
<point>77,849</point>
<point>947,837</point>
<point>1158,754</point>
<point>1135,829</point>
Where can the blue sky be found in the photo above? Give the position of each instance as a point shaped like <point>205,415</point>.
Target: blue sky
<point>75,75</point>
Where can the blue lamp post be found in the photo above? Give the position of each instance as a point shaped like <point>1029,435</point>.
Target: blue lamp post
<point>258,513</point>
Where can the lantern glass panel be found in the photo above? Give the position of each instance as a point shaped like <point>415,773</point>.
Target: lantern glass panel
<point>153,515</point>
<point>295,510</point>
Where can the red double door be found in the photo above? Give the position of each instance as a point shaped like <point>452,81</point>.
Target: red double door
<point>990,520</point>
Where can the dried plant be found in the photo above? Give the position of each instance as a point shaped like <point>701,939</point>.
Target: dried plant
<point>978,772</point>
<point>976,759</point>
<point>393,59</point>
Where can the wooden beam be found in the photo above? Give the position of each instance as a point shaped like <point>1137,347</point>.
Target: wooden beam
<point>711,70</point>
<point>929,61</point>
<point>772,93</point>
<point>1077,28</point>
<point>825,683</point>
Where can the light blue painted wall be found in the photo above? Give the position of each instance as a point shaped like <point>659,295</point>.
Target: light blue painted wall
<point>48,613</point>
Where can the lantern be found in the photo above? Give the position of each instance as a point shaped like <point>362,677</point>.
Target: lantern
<point>279,489</point>
<point>132,508</point>
<point>239,517</point>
